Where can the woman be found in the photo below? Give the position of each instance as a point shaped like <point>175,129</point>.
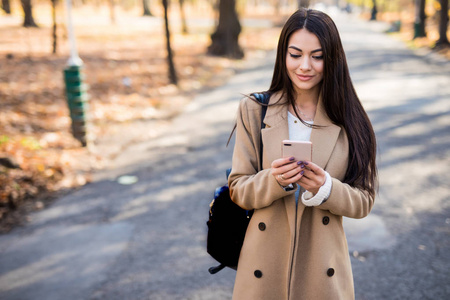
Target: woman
<point>295,246</point>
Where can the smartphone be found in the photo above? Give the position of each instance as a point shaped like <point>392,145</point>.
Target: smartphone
<point>301,150</point>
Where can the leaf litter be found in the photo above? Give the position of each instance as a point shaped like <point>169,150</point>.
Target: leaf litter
<point>126,72</point>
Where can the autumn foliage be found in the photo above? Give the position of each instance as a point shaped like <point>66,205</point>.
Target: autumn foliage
<point>126,70</point>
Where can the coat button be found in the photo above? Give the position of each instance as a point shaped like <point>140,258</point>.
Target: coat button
<point>262,226</point>
<point>326,220</point>
<point>258,274</point>
<point>330,272</point>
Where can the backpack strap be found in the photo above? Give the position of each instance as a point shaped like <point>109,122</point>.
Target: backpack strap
<point>262,98</point>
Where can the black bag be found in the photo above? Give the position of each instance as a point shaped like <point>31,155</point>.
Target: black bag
<point>228,222</point>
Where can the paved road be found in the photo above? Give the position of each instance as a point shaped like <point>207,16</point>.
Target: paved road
<point>147,240</point>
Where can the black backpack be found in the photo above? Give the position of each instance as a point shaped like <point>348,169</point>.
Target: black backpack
<point>228,222</point>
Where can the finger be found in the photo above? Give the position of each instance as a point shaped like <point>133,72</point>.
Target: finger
<point>291,173</point>
<point>285,168</point>
<point>282,161</point>
<point>310,174</point>
<point>318,178</point>
<point>306,183</point>
<point>296,178</point>
<point>286,177</point>
<point>316,173</point>
<point>290,176</point>
<point>311,181</point>
<point>313,167</point>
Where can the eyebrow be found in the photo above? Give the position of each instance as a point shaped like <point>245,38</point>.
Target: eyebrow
<point>298,49</point>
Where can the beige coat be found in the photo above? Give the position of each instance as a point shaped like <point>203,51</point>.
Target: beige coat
<point>289,252</point>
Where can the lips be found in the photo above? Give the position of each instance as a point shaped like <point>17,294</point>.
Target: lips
<point>304,77</point>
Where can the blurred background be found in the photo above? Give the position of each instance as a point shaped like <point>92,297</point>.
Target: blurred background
<point>121,110</point>
<point>141,60</point>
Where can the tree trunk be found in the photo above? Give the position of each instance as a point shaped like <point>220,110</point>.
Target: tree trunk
<point>112,11</point>
<point>54,35</point>
<point>183,18</point>
<point>419,23</point>
<point>215,8</point>
<point>443,24</point>
<point>303,3</point>
<point>6,6</point>
<point>146,7</point>
<point>28,20</point>
<point>373,15</point>
<point>172,73</point>
<point>225,40</point>
<point>277,6</point>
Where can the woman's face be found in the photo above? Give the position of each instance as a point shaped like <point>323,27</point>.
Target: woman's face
<point>304,61</point>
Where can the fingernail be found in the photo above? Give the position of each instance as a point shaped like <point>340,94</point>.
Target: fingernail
<point>302,172</point>
<point>299,162</point>
<point>302,166</point>
<point>305,163</point>
<point>292,158</point>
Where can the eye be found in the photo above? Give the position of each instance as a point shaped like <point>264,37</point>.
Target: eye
<point>294,55</point>
<point>318,57</point>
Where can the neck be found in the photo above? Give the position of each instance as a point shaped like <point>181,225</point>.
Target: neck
<point>306,103</point>
<point>308,98</point>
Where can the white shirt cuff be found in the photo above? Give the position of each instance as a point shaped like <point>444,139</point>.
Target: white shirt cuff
<point>309,199</point>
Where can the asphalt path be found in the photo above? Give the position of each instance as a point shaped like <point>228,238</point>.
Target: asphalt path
<point>138,231</point>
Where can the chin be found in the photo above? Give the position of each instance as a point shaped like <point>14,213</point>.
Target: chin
<point>305,87</point>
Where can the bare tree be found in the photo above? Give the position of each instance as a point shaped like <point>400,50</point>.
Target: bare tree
<point>373,15</point>
<point>443,24</point>
<point>28,20</point>
<point>215,8</point>
<point>112,11</point>
<point>172,73</point>
<point>6,6</point>
<point>54,27</point>
<point>183,17</point>
<point>225,38</point>
<point>277,6</point>
<point>303,3</point>
<point>146,8</point>
<point>419,23</point>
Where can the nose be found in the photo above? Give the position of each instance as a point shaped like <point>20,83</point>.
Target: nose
<point>305,63</point>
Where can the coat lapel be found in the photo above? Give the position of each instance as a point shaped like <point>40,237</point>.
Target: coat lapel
<point>277,129</point>
<point>323,138</point>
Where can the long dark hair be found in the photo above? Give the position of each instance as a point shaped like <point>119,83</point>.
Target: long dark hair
<point>339,97</point>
